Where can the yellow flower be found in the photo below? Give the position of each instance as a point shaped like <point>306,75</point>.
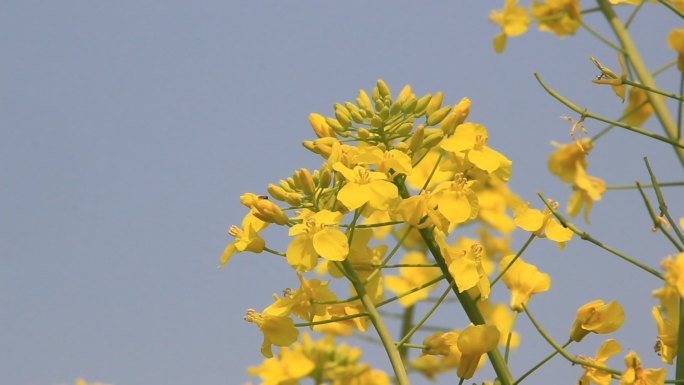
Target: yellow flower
<point>634,374</point>
<point>473,342</point>
<point>674,273</point>
<point>502,318</point>
<point>564,161</point>
<point>278,330</point>
<point>600,377</point>
<point>543,224</point>
<point>456,201</point>
<point>412,277</point>
<point>513,20</point>
<point>523,279</point>
<point>597,317</point>
<point>676,41</point>
<point>467,270</point>
<point>586,190</point>
<point>316,235</point>
<point>668,331</point>
<point>638,108</point>
<point>246,238</point>
<point>471,140</point>
<point>306,300</point>
<point>561,17</point>
<point>365,186</point>
<point>413,209</point>
<point>385,161</point>
<point>287,368</point>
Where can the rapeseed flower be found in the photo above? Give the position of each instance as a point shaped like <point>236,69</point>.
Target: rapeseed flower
<point>365,186</point>
<point>316,235</point>
<point>634,374</point>
<point>676,41</point>
<point>561,17</point>
<point>278,330</point>
<point>513,19</point>
<point>523,279</point>
<point>668,332</point>
<point>597,317</point>
<point>246,238</point>
<point>597,376</point>
<point>287,368</point>
<point>470,139</point>
<point>473,342</point>
<point>638,108</point>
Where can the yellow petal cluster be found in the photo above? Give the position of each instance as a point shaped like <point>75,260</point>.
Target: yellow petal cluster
<point>597,317</point>
<point>523,279</point>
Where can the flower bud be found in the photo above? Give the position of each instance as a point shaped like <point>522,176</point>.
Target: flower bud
<point>306,181</point>
<point>448,125</point>
<point>248,199</point>
<point>320,126</point>
<point>325,176</point>
<point>276,192</point>
<point>383,89</point>
<point>409,105</point>
<point>432,139</point>
<point>417,138</point>
<point>437,116</point>
<point>404,129</point>
<point>335,124</point>
<point>268,211</point>
<point>364,102</point>
<point>343,115</point>
<point>293,198</point>
<point>435,103</point>
<point>421,105</point>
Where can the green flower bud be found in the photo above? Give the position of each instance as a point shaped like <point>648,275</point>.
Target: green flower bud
<point>421,105</point>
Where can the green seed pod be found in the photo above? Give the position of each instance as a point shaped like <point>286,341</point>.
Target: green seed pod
<point>422,104</point>
<point>383,89</point>
<point>435,103</point>
<point>438,115</point>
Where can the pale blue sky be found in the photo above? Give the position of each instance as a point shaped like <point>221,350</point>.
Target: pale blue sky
<point>129,130</point>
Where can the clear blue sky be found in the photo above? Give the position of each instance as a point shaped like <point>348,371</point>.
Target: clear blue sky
<point>129,130</point>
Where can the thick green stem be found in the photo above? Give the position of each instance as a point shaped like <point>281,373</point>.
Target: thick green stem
<point>379,324</point>
<point>657,101</point>
<point>468,304</point>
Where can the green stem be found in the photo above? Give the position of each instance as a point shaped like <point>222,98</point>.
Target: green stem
<point>331,320</point>
<point>589,238</point>
<point>671,7</point>
<point>654,90</point>
<point>679,374</point>
<point>657,101</point>
<point>657,222</point>
<point>588,114</point>
<point>600,37</point>
<point>542,362</point>
<point>407,334</point>
<point>661,202</point>
<point>406,324</point>
<point>562,351</point>
<point>379,324</point>
<point>632,187</point>
<point>415,289</point>
<point>468,304</point>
